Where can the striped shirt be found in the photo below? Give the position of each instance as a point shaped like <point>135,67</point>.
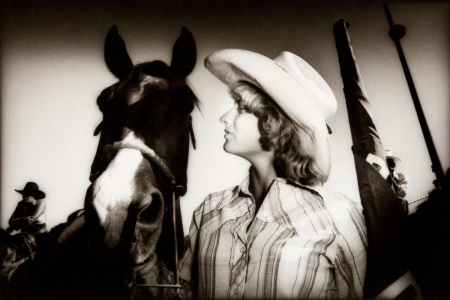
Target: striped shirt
<point>304,242</point>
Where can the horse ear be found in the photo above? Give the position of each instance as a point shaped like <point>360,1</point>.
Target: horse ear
<point>184,54</point>
<point>116,55</point>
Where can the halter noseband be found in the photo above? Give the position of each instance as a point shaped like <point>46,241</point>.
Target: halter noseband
<point>147,151</point>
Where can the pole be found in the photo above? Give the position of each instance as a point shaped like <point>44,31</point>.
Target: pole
<point>383,212</point>
<point>396,32</point>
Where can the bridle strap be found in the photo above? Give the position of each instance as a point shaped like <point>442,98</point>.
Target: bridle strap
<point>147,151</point>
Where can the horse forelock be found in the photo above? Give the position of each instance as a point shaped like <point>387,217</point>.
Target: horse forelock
<point>147,85</point>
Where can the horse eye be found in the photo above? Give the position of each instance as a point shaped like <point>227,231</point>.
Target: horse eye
<point>105,97</point>
<point>98,129</point>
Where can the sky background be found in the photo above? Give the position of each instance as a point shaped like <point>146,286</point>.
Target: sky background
<point>52,70</point>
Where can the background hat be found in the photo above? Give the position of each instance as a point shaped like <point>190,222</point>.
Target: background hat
<point>292,83</point>
<point>32,189</point>
<point>389,156</point>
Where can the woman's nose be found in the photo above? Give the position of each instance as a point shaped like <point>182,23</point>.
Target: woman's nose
<point>222,119</point>
<point>225,119</point>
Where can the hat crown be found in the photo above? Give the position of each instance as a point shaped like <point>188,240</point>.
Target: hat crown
<point>318,90</point>
<point>31,186</point>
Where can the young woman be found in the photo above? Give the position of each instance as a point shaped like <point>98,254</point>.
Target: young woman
<point>279,234</point>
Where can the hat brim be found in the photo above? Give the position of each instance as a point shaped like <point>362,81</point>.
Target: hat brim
<point>35,193</point>
<point>395,159</point>
<point>232,66</point>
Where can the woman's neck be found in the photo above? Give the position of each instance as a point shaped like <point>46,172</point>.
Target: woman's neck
<point>262,174</point>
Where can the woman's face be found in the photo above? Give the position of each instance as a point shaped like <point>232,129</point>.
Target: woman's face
<point>241,131</point>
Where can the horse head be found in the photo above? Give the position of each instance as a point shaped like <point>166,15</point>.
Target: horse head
<point>148,107</point>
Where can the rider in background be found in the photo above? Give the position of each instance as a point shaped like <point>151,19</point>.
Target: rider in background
<point>30,213</point>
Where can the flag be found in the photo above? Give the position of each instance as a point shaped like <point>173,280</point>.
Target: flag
<point>387,272</point>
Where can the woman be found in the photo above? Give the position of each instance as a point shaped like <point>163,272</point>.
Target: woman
<point>279,234</point>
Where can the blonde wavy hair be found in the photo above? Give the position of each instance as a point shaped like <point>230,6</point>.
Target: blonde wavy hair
<point>292,143</point>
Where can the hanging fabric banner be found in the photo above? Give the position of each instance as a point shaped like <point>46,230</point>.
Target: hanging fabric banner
<point>387,274</point>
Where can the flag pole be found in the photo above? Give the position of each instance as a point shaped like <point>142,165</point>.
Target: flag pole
<point>396,32</point>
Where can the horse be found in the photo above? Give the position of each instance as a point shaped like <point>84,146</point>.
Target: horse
<point>16,256</point>
<point>139,168</point>
<point>151,104</point>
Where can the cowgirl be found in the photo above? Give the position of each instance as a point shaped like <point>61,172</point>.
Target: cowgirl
<point>279,234</point>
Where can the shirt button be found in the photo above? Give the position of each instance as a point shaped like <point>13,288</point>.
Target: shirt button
<point>242,250</point>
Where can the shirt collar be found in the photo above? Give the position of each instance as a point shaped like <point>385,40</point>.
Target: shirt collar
<point>241,191</point>
<point>243,187</point>
<point>280,203</point>
<point>316,189</point>
<point>284,203</point>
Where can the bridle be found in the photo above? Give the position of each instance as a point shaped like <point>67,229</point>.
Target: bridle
<point>150,153</point>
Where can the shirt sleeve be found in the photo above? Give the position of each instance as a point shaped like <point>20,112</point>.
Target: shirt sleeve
<point>189,261</point>
<point>188,266</point>
<point>351,255</point>
<point>16,214</point>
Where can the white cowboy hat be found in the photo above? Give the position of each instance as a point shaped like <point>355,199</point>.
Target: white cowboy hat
<point>291,82</point>
<point>389,156</point>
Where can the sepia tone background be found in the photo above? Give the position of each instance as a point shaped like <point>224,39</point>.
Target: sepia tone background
<point>52,70</point>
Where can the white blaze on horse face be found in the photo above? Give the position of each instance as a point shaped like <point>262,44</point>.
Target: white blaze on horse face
<point>114,189</point>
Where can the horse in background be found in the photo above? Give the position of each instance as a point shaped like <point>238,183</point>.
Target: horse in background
<point>127,216</point>
<point>16,256</point>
